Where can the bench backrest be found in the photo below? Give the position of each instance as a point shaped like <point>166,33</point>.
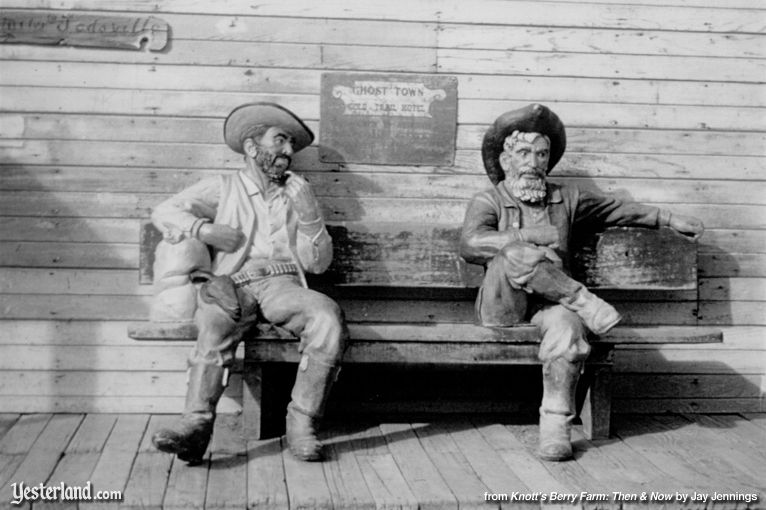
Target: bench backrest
<point>390,255</point>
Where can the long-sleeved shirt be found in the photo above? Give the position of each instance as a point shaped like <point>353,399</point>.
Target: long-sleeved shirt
<point>494,219</point>
<point>234,200</point>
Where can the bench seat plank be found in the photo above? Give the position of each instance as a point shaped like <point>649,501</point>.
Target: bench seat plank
<point>452,332</point>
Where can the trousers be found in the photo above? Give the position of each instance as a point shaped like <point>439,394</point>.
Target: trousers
<point>508,297</point>
<point>314,318</point>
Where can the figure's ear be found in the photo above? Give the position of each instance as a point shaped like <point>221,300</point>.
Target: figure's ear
<point>505,161</point>
<point>249,147</point>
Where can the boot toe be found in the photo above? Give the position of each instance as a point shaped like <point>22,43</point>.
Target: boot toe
<point>307,451</point>
<point>555,451</point>
<point>189,441</point>
<point>167,441</point>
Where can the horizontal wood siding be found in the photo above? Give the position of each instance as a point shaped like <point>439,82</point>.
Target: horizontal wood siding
<point>663,101</point>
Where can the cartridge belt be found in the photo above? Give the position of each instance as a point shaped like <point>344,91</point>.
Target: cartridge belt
<point>246,276</point>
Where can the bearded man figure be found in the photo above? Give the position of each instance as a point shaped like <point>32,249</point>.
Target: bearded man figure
<point>264,230</point>
<point>519,230</point>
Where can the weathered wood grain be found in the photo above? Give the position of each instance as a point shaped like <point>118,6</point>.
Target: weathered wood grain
<point>81,456</point>
<point>744,313</point>
<point>149,475</point>
<point>121,101</point>
<point>17,442</point>
<point>29,306</point>
<point>631,474</point>
<point>384,33</point>
<point>41,459</point>
<point>634,258</point>
<point>680,361</point>
<point>470,111</point>
<point>227,480</point>
<point>594,40</point>
<point>422,59</point>
<point>569,473</point>
<point>306,484</point>
<point>732,289</point>
<point>663,104</point>
<point>385,481</point>
<point>451,463</point>
<point>344,477</point>
<point>645,67</point>
<point>187,486</point>
<point>423,478</point>
<point>115,333</point>
<point>732,264</point>
<point>488,11</point>
<point>265,475</point>
<point>276,80</point>
<point>74,404</point>
<point>209,130</point>
<point>482,111</point>
<point>743,459</point>
<point>632,386</point>
<point>29,175</point>
<point>484,460</point>
<point>69,230</point>
<point>51,255</point>
<point>729,475</point>
<point>113,383</point>
<point>256,54</point>
<point>518,458</point>
<point>25,280</point>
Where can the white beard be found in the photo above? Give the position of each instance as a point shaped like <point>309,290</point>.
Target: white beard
<point>528,190</point>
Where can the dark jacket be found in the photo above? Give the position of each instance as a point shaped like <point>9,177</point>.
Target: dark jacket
<point>492,219</point>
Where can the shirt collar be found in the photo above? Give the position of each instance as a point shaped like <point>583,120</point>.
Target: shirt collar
<point>554,195</point>
<point>252,189</point>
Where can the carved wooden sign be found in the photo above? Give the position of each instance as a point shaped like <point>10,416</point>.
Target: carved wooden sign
<point>66,29</point>
<point>388,119</point>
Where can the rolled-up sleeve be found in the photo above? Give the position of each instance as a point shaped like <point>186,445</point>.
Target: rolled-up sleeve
<point>480,239</point>
<point>183,211</point>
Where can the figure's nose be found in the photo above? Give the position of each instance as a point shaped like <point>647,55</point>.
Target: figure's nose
<point>534,159</point>
<point>287,149</point>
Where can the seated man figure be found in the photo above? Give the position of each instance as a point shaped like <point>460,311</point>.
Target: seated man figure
<point>264,230</point>
<point>520,231</point>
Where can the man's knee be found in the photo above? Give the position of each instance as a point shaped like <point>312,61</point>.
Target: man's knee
<point>216,327</point>
<point>326,330</point>
<point>564,334</point>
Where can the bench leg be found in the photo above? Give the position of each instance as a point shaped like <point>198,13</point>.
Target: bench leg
<point>596,411</point>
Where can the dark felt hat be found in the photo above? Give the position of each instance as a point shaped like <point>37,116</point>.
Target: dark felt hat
<point>534,118</point>
<point>243,118</point>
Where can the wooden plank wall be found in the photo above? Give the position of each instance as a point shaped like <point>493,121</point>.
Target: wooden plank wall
<point>663,100</point>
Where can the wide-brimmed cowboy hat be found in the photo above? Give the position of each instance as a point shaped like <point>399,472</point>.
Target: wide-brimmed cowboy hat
<point>243,118</point>
<point>534,118</point>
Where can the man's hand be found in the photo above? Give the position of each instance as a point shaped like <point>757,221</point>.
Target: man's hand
<point>520,260</point>
<point>541,236</point>
<point>298,191</point>
<point>222,237</point>
<point>687,225</point>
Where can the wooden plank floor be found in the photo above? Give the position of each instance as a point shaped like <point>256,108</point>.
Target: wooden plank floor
<point>448,463</point>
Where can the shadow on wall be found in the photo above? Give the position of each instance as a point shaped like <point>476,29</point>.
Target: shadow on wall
<point>68,271</point>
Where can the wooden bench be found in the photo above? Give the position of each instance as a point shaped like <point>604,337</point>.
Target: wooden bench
<point>408,299</point>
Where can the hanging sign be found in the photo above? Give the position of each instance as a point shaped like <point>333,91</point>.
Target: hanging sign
<point>388,119</point>
<point>88,30</point>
